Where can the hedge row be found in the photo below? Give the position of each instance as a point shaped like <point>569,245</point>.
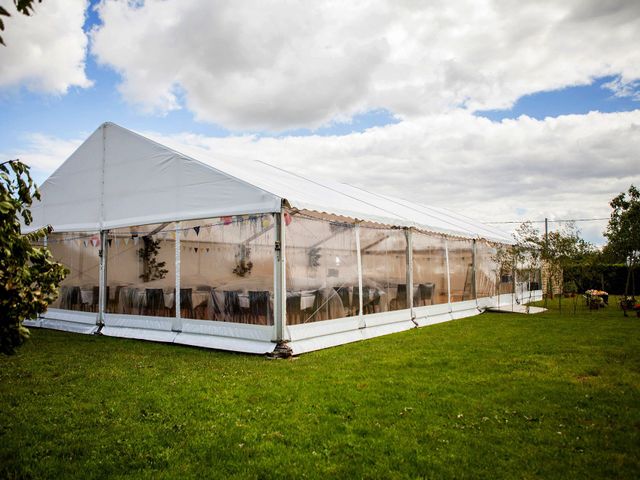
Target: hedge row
<point>611,278</point>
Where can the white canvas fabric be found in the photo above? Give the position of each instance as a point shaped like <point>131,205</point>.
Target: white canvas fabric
<point>118,178</point>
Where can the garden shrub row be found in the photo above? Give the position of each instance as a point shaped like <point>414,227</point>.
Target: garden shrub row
<point>609,277</point>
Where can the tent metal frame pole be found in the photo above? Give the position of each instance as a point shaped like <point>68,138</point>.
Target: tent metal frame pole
<point>514,281</point>
<point>177,321</point>
<point>409,270</point>
<point>280,281</point>
<point>473,270</point>
<point>102,281</point>
<point>361,320</point>
<point>446,256</point>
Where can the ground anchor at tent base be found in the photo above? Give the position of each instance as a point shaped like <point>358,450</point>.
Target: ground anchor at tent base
<point>282,350</point>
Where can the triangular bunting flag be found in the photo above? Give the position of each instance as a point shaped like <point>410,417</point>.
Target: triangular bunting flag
<point>197,230</point>
<point>136,239</point>
<point>109,241</point>
<point>95,241</point>
<point>126,240</point>
<point>196,249</point>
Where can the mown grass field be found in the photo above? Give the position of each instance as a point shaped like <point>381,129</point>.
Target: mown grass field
<point>495,396</point>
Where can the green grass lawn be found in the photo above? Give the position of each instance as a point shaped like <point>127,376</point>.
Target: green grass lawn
<point>553,395</point>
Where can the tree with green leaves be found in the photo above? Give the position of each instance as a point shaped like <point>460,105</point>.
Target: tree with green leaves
<point>555,250</point>
<point>25,7</point>
<point>623,231</point>
<point>29,276</point>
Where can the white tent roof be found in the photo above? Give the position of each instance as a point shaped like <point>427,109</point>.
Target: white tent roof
<point>119,178</point>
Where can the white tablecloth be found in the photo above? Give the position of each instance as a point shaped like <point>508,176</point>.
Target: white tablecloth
<point>87,295</point>
<point>307,299</point>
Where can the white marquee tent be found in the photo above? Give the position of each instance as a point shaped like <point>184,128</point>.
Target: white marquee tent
<point>245,256</point>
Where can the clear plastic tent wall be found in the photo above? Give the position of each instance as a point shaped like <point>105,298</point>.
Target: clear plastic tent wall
<point>216,277</point>
<point>430,278</point>
<point>461,269</point>
<point>384,269</point>
<point>226,269</point>
<point>79,290</point>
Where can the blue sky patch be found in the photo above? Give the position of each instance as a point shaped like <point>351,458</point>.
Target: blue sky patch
<point>570,100</point>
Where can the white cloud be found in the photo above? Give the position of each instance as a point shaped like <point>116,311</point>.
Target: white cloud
<point>46,51</point>
<point>560,168</point>
<point>624,88</point>
<point>257,65</point>
<point>43,153</point>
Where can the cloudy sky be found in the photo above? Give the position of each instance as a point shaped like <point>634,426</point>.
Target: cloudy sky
<point>501,109</point>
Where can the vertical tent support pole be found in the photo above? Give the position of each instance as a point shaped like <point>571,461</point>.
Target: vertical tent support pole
<point>473,272</point>
<point>515,281</point>
<point>45,244</point>
<point>409,259</point>
<point>103,237</point>
<point>280,281</point>
<point>177,322</point>
<point>361,321</point>
<point>102,281</point>
<point>446,256</point>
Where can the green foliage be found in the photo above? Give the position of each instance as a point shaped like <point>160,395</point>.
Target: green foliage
<point>570,287</point>
<point>623,231</point>
<point>29,277</point>
<point>494,396</point>
<point>602,276</point>
<point>25,7</point>
<point>244,264</point>
<point>556,250</point>
<point>151,268</point>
